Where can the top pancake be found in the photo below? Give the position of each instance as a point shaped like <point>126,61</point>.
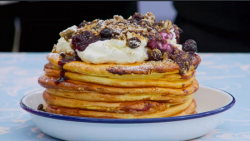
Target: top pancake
<point>148,67</point>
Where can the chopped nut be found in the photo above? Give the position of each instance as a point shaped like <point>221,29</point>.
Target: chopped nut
<point>165,56</point>
<point>150,16</point>
<point>170,25</point>
<point>167,30</point>
<point>166,24</point>
<point>54,49</point>
<point>68,32</point>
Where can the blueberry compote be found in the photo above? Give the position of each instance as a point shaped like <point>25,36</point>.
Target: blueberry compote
<point>81,41</point>
<point>182,58</point>
<point>159,45</point>
<point>65,59</point>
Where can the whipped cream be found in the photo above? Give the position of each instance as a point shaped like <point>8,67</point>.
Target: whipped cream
<point>64,46</point>
<point>113,51</point>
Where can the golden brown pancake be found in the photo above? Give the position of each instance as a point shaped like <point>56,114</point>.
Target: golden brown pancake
<point>95,114</point>
<point>48,68</point>
<point>101,97</point>
<point>177,83</point>
<point>119,107</point>
<point>71,85</point>
<point>189,110</point>
<point>149,67</point>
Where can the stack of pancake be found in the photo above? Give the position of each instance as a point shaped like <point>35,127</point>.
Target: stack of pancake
<point>151,89</point>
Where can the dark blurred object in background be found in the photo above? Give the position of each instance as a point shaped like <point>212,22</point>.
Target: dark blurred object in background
<point>41,22</point>
<point>215,26</point>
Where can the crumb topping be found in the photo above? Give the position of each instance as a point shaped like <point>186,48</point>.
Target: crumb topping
<point>143,25</point>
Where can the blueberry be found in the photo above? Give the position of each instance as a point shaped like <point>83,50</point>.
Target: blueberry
<point>134,42</point>
<point>159,23</point>
<point>138,16</point>
<point>81,41</point>
<point>143,23</point>
<point>106,33</point>
<point>63,54</point>
<point>189,46</point>
<point>154,54</point>
<point>82,24</point>
<point>40,107</point>
<point>132,21</point>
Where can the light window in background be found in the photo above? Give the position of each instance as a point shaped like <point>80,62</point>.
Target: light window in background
<point>161,9</point>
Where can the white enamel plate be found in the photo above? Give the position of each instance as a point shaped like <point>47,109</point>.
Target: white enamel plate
<point>211,103</point>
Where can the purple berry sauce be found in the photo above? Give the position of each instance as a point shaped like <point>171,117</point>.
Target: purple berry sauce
<point>65,59</point>
<point>81,41</point>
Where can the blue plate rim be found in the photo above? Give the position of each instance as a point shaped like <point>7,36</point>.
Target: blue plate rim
<point>121,121</point>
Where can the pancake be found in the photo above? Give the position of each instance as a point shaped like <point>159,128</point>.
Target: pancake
<point>71,85</point>
<point>149,67</point>
<point>162,76</point>
<point>188,111</point>
<point>101,97</point>
<point>95,114</point>
<point>177,83</point>
<point>118,107</point>
<point>50,69</point>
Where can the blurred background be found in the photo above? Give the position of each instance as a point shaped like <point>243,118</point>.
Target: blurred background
<point>35,26</point>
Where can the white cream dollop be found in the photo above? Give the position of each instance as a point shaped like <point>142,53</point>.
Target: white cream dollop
<point>64,46</point>
<point>110,51</point>
<point>113,51</point>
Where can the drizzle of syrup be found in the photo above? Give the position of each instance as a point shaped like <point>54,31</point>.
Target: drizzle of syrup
<point>65,59</point>
<point>62,77</point>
